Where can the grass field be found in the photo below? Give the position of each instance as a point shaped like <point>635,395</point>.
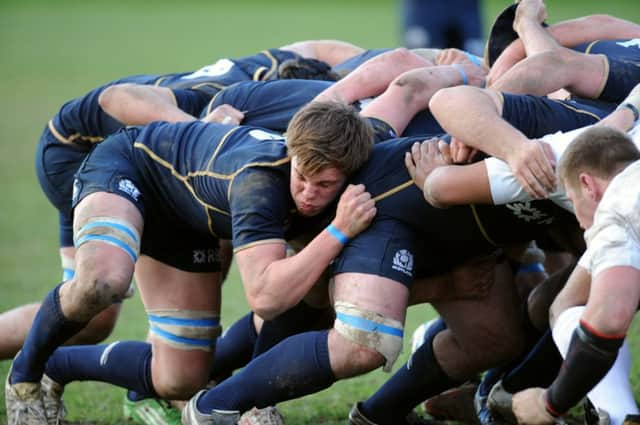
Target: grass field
<point>53,51</point>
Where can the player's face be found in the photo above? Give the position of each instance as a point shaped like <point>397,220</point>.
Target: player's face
<point>312,193</point>
<point>583,205</point>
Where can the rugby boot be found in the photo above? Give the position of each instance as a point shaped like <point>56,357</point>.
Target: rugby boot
<point>455,404</point>
<point>151,411</point>
<point>500,402</point>
<point>191,415</point>
<point>24,403</point>
<point>51,393</point>
<point>593,415</point>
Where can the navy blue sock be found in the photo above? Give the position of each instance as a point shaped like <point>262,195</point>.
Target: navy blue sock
<point>417,380</point>
<point>49,330</point>
<point>301,318</point>
<point>123,363</point>
<point>437,327</point>
<point>297,366</point>
<point>538,368</point>
<point>234,348</point>
<point>488,381</point>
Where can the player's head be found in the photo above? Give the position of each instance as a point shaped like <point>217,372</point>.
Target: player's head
<point>306,69</point>
<point>591,160</point>
<point>327,142</point>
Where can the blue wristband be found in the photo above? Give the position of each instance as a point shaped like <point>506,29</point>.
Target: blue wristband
<point>463,74</point>
<point>531,268</point>
<point>474,59</point>
<point>341,237</point>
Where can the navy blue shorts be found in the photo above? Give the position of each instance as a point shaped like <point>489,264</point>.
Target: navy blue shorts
<point>538,116</point>
<point>109,168</point>
<point>56,163</point>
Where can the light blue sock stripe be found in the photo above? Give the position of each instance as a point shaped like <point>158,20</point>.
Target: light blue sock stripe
<point>184,322</point>
<point>180,339</point>
<point>474,59</point>
<point>118,226</point>
<point>68,274</point>
<point>110,239</point>
<point>368,325</point>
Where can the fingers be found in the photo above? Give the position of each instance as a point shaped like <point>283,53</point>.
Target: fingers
<point>356,210</point>
<point>459,151</point>
<point>532,185</point>
<point>225,114</point>
<point>445,151</point>
<point>411,166</point>
<point>545,169</point>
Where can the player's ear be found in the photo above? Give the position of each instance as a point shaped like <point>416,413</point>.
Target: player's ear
<point>588,186</point>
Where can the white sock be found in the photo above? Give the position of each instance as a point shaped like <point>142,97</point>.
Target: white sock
<point>613,394</point>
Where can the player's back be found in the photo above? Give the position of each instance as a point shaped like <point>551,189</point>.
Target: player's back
<point>194,166</point>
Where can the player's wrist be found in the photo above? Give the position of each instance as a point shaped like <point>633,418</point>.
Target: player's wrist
<point>632,102</point>
<point>338,234</point>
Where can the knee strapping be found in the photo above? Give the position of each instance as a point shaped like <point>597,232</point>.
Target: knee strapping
<point>370,329</point>
<point>185,329</point>
<point>110,230</point>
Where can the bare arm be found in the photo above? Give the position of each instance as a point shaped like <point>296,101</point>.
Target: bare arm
<point>274,283</point>
<point>445,185</point>
<point>623,119</point>
<point>483,128</point>
<point>374,76</point>
<point>133,104</point>
<point>332,52</point>
<point>575,292</point>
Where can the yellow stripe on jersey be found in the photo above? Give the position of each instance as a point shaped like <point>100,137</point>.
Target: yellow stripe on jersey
<point>476,217</point>
<point>74,137</point>
<point>573,108</point>
<point>393,190</point>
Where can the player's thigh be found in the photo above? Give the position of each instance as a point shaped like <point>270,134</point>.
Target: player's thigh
<point>491,323</point>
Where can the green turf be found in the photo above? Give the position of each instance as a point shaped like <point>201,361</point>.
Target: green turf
<point>53,51</point>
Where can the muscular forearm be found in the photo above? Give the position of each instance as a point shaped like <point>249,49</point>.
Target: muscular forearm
<point>284,282</point>
<point>138,105</point>
<point>373,77</point>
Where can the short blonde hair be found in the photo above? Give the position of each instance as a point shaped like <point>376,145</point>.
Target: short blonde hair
<point>329,134</point>
<point>602,151</point>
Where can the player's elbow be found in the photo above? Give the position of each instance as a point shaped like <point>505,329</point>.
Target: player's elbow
<point>265,305</point>
<point>435,191</point>
<point>112,96</point>
<point>445,100</point>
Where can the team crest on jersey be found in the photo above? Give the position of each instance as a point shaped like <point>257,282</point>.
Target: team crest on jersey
<point>205,256</point>
<point>403,262</point>
<point>127,186</point>
<point>530,214</point>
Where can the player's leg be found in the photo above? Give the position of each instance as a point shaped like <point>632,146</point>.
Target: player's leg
<point>183,309</point>
<point>107,233</point>
<point>617,403</point>
<point>370,313</point>
<point>580,74</point>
